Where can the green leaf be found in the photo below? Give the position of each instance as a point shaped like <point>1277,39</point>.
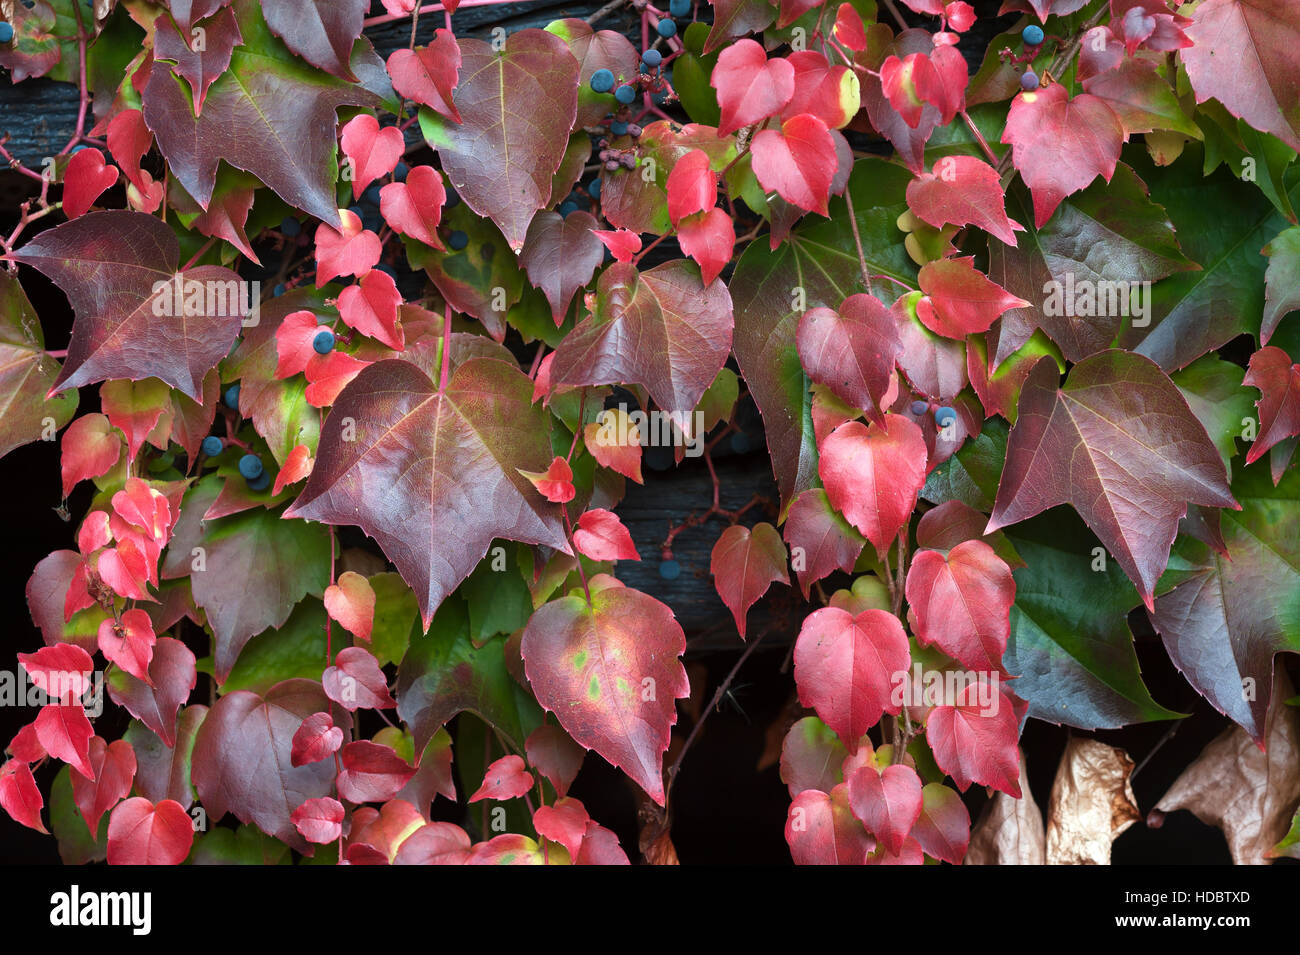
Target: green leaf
<point>296,649</point>
<point>1290,844</point>
<point>496,594</point>
<point>443,674</point>
<point>1070,644</point>
<point>26,374</point>
<point>1215,394</point>
<point>243,846</point>
<point>76,844</point>
<point>396,610</point>
<point>972,474</point>
<point>817,265</point>
<point>1222,224</point>
<point>691,72</point>
<point>1282,281</point>
<point>1224,625</point>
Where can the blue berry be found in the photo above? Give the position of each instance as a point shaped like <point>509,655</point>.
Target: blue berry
<point>670,569</point>
<point>323,343</point>
<point>6,32</point>
<point>945,416</point>
<point>1029,81</point>
<point>77,149</point>
<point>370,197</point>
<point>740,442</point>
<point>260,483</point>
<point>920,407</point>
<point>212,446</point>
<point>618,128</point>
<point>399,174</point>
<point>602,81</point>
<point>250,467</point>
<point>566,207</point>
<point>232,397</point>
<point>594,189</point>
<point>278,290</point>
<point>290,226</point>
<point>453,199</point>
<point>625,94</point>
<point>1032,35</point>
<point>650,59</point>
<point>457,240</point>
<point>679,8</point>
<point>667,28</point>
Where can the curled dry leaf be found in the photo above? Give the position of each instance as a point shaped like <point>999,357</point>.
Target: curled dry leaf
<point>1247,792</point>
<point>1010,832</point>
<point>1092,802</point>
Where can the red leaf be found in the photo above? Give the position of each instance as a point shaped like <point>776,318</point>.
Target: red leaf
<point>909,855</point>
<point>849,29</point>
<point>610,671</point>
<point>109,265</point>
<point>316,739</point>
<point>744,563</point>
<point>663,329</point>
<point>19,795</point>
<point>320,820</point>
<point>140,833</point>
<point>964,301</point>
<point>821,830</point>
<point>943,828</point>
<point>25,747</point>
<point>480,430</point>
<point>561,254</point>
<point>354,251</point>
<point>962,603</point>
<point>429,74</point>
<point>564,822</point>
<point>91,446</point>
<point>371,306</point>
<point>371,773</point>
<point>750,86</point>
<point>1278,381</point>
<point>963,190</point>
<point>710,239</point>
<point>65,733</point>
<point>438,843</point>
<point>1247,56</point>
<point>356,682</point>
<point>173,673</point>
<point>502,157</point>
<point>554,754</point>
<point>851,351</point>
<point>873,474</point>
<point>128,140</point>
<point>114,765</point>
<point>973,746</point>
<point>960,15</point>
<point>622,244</point>
<point>831,93</point>
<point>555,483</point>
<point>1059,144</point>
<point>414,207</point>
<point>129,644</point>
<point>329,375</point>
<point>888,802</point>
<point>504,779</point>
<point>373,152</point>
<point>910,83</point>
<point>820,540</point>
<point>692,186</point>
<point>845,665</point>
<point>351,601</point>
<point>296,467</point>
<point>613,440</point>
<point>1094,444</point>
<point>85,179</point>
<point>62,671</point>
<point>792,10</point>
<point>200,67</point>
<point>602,536</point>
<point>798,163</point>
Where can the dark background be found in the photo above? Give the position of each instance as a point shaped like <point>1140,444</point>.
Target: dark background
<point>725,810</point>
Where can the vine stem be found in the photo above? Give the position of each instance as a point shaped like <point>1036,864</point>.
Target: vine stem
<point>445,373</point>
<point>979,138</point>
<point>713,704</point>
<point>857,237</point>
<point>430,8</point>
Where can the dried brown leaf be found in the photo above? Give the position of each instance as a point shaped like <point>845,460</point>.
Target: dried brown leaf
<point>1091,803</point>
<point>1010,831</point>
